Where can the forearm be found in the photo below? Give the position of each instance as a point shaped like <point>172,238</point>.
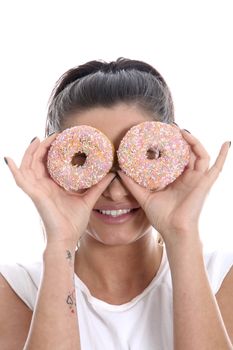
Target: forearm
<point>54,323</point>
<point>198,324</point>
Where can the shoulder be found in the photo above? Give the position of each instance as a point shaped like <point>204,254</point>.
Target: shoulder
<point>224,299</point>
<point>218,264</point>
<point>15,318</point>
<point>24,280</point>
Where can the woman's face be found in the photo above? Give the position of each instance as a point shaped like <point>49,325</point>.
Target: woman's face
<point>114,228</point>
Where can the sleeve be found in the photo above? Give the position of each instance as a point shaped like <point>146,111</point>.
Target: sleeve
<point>24,280</point>
<point>218,264</point>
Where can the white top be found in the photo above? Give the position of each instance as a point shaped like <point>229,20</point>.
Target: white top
<point>143,323</point>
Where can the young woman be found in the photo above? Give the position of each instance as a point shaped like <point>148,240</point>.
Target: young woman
<point>122,288</point>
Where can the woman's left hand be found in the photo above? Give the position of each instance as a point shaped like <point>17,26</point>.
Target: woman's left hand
<point>175,210</point>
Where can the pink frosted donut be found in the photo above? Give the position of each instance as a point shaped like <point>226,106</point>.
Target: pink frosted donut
<point>153,154</point>
<point>79,157</point>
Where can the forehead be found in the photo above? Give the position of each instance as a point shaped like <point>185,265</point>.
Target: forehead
<point>114,121</point>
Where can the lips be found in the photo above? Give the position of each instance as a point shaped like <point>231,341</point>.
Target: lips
<point>115,212</point>
<point>115,219</point>
<point>116,207</point>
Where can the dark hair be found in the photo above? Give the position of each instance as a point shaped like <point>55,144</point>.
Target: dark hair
<point>102,84</point>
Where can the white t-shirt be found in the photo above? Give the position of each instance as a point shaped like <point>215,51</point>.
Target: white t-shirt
<point>144,323</point>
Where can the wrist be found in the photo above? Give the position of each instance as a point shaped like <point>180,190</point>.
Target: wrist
<point>179,240</point>
<point>184,254</point>
<point>60,251</point>
<point>61,234</point>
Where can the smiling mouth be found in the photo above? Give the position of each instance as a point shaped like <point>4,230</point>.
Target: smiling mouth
<point>115,213</point>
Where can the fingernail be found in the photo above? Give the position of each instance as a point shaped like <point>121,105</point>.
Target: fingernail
<point>51,133</point>
<point>187,131</point>
<point>33,139</point>
<point>229,144</point>
<point>6,161</point>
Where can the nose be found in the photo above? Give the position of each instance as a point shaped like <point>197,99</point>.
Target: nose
<point>116,191</point>
<point>115,165</point>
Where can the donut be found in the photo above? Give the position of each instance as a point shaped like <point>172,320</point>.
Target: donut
<point>79,157</point>
<point>153,154</point>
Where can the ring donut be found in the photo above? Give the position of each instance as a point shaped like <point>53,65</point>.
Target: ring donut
<point>79,157</point>
<point>153,154</point>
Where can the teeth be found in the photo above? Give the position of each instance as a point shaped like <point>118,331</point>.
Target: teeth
<point>115,212</point>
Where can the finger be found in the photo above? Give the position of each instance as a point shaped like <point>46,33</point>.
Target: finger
<point>40,157</point>
<point>44,147</point>
<point>175,125</point>
<point>202,157</point>
<point>217,167</point>
<point>192,158</point>
<point>140,193</point>
<point>92,194</point>
<point>15,171</point>
<point>29,153</point>
<point>192,161</point>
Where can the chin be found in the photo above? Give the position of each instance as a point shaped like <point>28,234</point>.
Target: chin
<point>122,230</point>
<point>115,239</point>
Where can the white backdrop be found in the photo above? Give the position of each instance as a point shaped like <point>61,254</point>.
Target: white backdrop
<point>189,42</point>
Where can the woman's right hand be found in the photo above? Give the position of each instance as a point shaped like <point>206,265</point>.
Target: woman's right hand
<point>65,214</point>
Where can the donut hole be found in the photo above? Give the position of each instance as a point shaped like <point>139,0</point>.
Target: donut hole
<point>78,159</point>
<point>153,153</point>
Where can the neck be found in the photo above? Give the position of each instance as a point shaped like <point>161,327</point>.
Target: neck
<point>117,274</point>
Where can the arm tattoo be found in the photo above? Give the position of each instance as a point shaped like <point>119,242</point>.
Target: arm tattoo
<point>69,257</point>
<point>70,300</point>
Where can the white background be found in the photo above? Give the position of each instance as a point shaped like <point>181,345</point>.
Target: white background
<point>189,42</point>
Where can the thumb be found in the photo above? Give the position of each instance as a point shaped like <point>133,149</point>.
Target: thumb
<point>140,193</point>
<point>93,193</point>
